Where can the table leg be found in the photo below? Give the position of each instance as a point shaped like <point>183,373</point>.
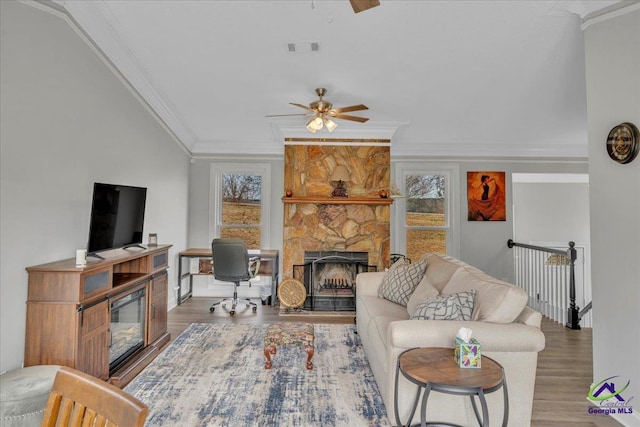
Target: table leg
<point>179,297</point>
<point>309,351</point>
<point>484,420</point>
<point>505,415</point>
<point>268,351</point>
<point>423,408</point>
<point>395,398</point>
<point>505,397</point>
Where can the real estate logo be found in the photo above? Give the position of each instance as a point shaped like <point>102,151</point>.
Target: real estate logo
<point>608,397</point>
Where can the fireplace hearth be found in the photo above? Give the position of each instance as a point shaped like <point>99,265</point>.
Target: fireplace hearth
<point>330,278</point>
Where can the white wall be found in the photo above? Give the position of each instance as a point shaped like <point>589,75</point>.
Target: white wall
<point>484,244</point>
<point>66,122</point>
<point>613,97</point>
<point>551,212</point>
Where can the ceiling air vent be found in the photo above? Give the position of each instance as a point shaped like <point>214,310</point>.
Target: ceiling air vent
<point>303,47</point>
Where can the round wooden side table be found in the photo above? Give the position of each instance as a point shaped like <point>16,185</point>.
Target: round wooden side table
<point>433,369</point>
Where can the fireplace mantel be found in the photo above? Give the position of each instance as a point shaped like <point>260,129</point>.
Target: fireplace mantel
<point>339,200</point>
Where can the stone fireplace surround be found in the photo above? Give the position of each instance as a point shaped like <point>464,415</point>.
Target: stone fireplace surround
<point>313,221</point>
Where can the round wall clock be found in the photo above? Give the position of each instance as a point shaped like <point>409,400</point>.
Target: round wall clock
<point>623,143</point>
<point>291,293</point>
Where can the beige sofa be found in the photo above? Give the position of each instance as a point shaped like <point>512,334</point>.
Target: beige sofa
<point>508,331</point>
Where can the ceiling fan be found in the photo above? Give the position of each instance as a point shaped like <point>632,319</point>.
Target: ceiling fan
<point>361,5</point>
<point>322,111</point>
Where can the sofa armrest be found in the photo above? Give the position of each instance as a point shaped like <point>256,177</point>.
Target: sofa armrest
<point>368,283</point>
<point>530,317</point>
<point>493,337</point>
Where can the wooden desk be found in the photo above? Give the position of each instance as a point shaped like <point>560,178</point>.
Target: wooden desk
<point>269,265</point>
<point>435,370</point>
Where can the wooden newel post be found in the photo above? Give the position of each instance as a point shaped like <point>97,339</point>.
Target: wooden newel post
<point>573,315</point>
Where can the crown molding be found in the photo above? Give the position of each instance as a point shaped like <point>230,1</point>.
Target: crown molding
<point>550,178</point>
<point>493,149</point>
<point>345,131</point>
<point>237,147</point>
<point>448,149</point>
<point>610,13</point>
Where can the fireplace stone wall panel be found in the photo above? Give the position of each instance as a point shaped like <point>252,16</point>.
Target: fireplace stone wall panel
<point>325,226</point>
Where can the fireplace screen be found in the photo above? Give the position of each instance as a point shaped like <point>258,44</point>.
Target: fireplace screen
<point>330,279</point>
<point>127,327</point>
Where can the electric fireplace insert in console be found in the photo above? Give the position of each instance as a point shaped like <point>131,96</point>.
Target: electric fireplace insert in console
<point>126,334</point>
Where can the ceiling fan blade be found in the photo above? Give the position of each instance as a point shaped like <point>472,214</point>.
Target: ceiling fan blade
<point>301,106</point>
<point>358,107</point>
<point>361,5</point>
<point>349,117</point>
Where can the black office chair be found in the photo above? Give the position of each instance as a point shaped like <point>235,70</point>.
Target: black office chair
<point>231,263</point>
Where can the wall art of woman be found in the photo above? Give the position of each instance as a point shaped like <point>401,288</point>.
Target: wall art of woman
<point>486,196</point>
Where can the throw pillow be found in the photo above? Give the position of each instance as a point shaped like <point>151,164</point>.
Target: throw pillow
<point>446,307</point>
<point>423,291</point>
<point>401,280</point>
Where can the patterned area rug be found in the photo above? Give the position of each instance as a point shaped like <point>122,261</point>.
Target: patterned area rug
<point>213,375</point>
<point>317,313</point>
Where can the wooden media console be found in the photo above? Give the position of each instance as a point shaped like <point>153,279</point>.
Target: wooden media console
<point>74,313</point>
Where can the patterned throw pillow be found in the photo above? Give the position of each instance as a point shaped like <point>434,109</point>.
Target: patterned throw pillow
<point>401,280</point>
<point>446,307</point>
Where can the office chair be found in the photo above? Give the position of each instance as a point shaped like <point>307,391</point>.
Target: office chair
<point>231,263</point>
<point>77,399</point>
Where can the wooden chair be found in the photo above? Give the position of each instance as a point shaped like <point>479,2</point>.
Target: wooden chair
<point>77,399</point>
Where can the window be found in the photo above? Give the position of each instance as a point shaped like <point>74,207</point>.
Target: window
<point>425,216</point>
<point>241,202</point>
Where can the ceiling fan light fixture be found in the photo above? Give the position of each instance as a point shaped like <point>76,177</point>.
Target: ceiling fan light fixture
<point>330,124</point>
<point>311,127</point>
<point>315,124</point>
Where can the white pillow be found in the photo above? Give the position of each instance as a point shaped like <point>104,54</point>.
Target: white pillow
<point>450,307</point>
<point>401,280</point>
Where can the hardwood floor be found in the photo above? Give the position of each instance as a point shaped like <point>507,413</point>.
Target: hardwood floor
<point>563,377</point>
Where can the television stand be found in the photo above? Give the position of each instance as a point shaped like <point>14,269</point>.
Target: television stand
<point>69,311</point>
<point>95,255</point>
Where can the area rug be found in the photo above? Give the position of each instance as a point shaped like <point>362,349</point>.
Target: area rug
<point>317,313</point>
<point>213,375</point>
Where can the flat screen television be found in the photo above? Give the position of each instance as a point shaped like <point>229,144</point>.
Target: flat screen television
<point>117,217</point>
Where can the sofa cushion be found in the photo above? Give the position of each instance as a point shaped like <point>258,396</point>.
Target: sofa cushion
<point>401,280</point>
<point>423,291</point>
<point>495,301</point>
<point>446,307</point>
<point>374,306</point>
<point>440,268</point>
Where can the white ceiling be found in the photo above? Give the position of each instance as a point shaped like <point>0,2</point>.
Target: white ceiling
<point>495,78</point>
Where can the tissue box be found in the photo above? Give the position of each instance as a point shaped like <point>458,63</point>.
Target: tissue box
<point>467,355</point>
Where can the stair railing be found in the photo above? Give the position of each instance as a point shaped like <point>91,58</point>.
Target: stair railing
<point>546,273</point>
